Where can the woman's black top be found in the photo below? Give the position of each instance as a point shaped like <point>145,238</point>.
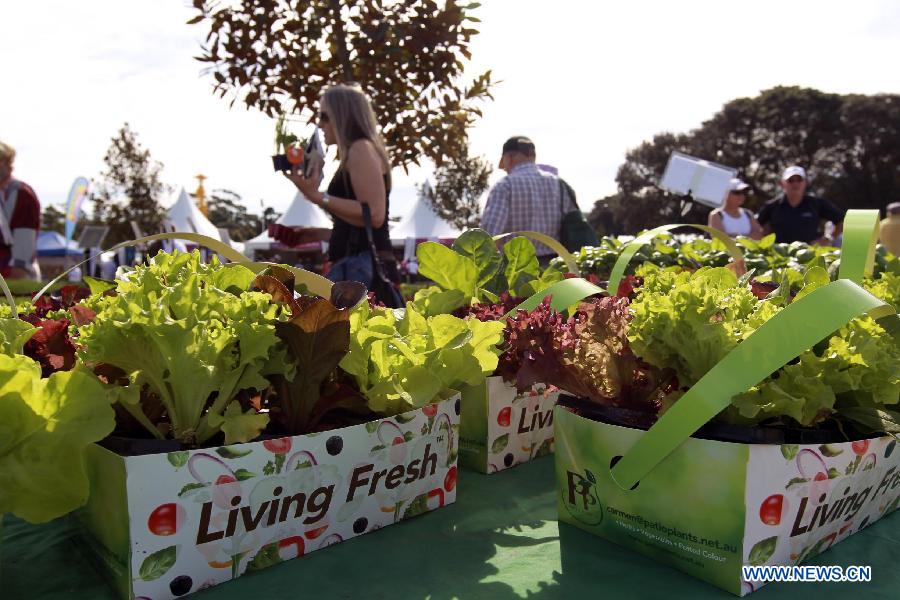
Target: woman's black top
<point>347,239</point>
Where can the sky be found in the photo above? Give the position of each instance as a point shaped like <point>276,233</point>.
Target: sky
<point>585,80</point>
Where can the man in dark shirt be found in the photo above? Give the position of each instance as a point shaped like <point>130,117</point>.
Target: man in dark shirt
<point>795,215</point>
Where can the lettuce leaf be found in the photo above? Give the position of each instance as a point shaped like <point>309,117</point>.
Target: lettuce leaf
<point>401,363</point>
<point>45,425</point>
<point>171,327</point>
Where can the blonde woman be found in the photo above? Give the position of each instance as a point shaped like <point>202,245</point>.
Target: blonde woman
<point>363,178</point>
<point>731,217</point>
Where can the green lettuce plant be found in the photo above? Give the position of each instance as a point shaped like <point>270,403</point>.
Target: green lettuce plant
<point>690,321</point>
<point>402,362</point>
<point>45,425</point>
<point>190,333</point>
<point>475,271</point>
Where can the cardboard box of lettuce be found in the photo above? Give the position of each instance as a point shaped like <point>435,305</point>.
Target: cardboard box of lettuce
<point>716,430</point>
<point>254,426</point>
<point>508,418</point>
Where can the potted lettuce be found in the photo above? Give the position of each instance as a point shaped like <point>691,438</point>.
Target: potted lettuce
<point>501,426</point>
<point>257,425</point>
<point>794,460</point>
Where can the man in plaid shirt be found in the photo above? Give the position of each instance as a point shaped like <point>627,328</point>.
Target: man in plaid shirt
<point>528,198</point>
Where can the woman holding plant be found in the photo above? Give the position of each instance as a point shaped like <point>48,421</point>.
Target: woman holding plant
<point>361,184</point>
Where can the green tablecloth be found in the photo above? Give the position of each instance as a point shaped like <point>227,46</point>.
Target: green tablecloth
<point>499,541</point>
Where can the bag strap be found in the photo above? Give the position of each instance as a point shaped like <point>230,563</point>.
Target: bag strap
<point>548,241</point>
<point>785,336</point>
<point>618,270</point>
<point>316,283</point>
<point>370,234</point>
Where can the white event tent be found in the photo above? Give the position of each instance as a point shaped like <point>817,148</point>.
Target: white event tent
<point>422,223</point>
<point>184,216</point>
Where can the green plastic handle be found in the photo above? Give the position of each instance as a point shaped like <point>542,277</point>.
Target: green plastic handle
<point>858,248</point>
<point>554,245</point>
<point>563,294</point>
<point>9,297</point>
<point>631,249</point>
<point>316,283</point>
<point>779,340</point>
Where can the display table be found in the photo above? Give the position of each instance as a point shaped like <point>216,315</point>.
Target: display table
<point>499,541</point>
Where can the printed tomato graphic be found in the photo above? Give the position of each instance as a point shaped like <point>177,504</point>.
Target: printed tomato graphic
<point>314,533</point>
<point>291,547</point>
<point>503,418</point>
<point>295,155</point>
<point>430,410</point>
<point>821,476</point>
<point>450,479</point>
<point>770,509</point>
<point>279,446</point>
<point>860,448</point>
<point>166,519</point>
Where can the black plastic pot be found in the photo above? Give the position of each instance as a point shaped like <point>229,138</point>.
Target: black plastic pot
<point>124,446</point>
<point>720,432</point>
<point>280,163</point>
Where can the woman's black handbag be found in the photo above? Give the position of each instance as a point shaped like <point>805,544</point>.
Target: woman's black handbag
<point>384,289</point>
<point>574,230</point>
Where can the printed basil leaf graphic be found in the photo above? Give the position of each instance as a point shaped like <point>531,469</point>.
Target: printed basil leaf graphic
<point>372,426</point>
<point>763,551</point>
<point>177,459</point>
<point>830,449</point>
<point>232,452</point>
<point>833,473</point>
<point>244,474</point>
<point>404,418</point>
<point>190,488</point>
<point>500,443</point>
<point>409,436</point>
<point>266,557</point>
<point>796,481</point>
<point>789,451</point>
<point>158,564</point>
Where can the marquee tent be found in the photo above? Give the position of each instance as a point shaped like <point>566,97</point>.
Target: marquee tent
<point>421,223</point>
<point>184,216</point>
<point>51,243</point>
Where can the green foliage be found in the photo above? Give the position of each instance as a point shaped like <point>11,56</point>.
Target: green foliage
<point>173,327</point>
<point>226,209</point>
<point>401,363</point>
<point>848,143</point>
<point>129,189</point>
<point>459,185</point>
<point>690,321</point>
<point>407,56</point>
<point>46,425</point>
<point>475,271</point>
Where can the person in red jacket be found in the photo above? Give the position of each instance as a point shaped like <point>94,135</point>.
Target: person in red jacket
<point>20,220</point>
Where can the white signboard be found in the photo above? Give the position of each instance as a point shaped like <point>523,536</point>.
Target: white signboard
<point>706,182</point>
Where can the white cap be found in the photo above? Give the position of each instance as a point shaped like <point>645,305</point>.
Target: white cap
<point>736,185</point>
<point>793,170</point>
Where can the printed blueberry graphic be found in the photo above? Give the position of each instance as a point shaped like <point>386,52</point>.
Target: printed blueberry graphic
<point>890,449</point>
<point>334,445</point>
<point>456,407</point>
<point>508,460</point>
<point>181,585</point>
<point>360,525</point>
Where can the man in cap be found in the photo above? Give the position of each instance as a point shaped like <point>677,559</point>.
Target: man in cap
<point>795,215</point>
<point>528,198</point>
